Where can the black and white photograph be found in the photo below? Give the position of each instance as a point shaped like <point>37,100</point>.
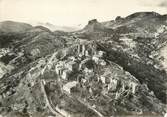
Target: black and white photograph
<point>83,58</point>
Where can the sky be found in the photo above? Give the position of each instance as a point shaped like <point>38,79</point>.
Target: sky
<point>74,12</point>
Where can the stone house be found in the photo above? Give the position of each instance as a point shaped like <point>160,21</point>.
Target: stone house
<point>112,86</point>
<point>65,74</point>
<point>130,86</point>
<point>133,86</point>
<point>98,57</point>
<point>59,68</point>
<point>72,66</point>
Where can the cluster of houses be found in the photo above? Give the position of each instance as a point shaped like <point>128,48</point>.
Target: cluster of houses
<point>85,50</point>
<point>64,68</point>
<point>73,64</point>
<point>113,84</point>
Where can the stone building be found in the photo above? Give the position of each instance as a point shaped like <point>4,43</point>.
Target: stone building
<point>65,74</point>
<point>86,48</point>
<point>72,66</point>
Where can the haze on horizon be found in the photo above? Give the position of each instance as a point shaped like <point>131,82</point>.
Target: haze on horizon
<point>74,12</point>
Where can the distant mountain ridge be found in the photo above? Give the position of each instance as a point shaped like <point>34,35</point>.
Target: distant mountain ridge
<point>13,26</point>
<point>53,27</point>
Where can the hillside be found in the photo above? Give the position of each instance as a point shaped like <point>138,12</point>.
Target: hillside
<point>112,68</point>
<point>11,26</point>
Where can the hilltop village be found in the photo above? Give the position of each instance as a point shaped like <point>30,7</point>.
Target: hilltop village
<point>107,69</point>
